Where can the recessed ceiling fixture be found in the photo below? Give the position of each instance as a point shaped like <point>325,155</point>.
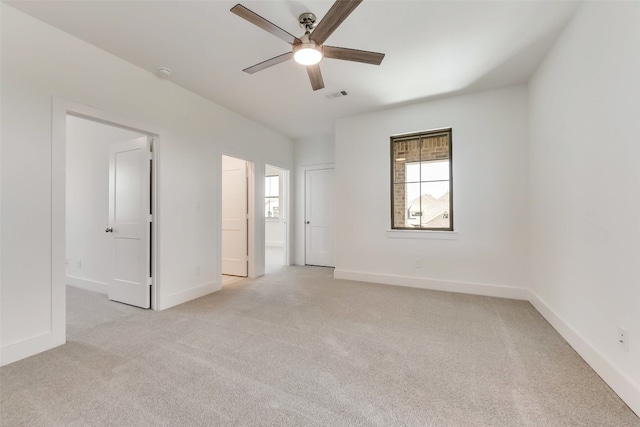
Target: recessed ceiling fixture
<point>164,72</point>
<point>309,50</point>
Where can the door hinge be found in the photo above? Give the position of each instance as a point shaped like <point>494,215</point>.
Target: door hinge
<point>149,281</point>
<point>150,218</point>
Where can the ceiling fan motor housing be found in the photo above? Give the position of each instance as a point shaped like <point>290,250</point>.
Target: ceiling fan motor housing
<point>307,21</point>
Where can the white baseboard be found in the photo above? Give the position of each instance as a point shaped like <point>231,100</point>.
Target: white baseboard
<point>28,347</point>
<point>435,285</point>
<point>87,284</point>
<point>181,297</point>
<point>625,387</point>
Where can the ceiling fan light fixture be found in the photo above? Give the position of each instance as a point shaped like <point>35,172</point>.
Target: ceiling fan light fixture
<point>309,49</point>
<point>307,54</point>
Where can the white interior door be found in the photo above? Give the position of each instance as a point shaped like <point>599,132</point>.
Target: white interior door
<point>129,219</point>
<point>320,217</point>
<point>234,217</point>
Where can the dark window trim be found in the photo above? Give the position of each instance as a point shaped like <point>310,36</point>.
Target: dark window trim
<point>414,135</point>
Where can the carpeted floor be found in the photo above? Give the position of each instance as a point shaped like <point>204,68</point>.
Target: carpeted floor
<point>298,348</point>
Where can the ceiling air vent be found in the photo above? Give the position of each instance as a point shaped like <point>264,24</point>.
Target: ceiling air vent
<point>339,94</point>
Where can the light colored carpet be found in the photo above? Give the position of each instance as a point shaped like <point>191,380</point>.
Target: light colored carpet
<point>299,348</point>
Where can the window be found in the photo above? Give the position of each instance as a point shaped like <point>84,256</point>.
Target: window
<point>421,181</point>
<point>272,196</point>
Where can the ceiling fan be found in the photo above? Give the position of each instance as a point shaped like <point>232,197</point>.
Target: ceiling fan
<point>309,49</point>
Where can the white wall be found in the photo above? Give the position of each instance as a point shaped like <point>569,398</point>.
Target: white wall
<point>585,202</point>
<point>487,252</point>
<point>309,152</point>
<point>87,201</point>
<point>40,63</point>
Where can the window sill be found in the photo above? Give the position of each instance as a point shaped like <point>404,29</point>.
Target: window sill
<point>422,234</point>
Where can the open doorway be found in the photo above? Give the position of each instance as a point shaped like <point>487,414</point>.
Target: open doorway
<point>108,243</point>
<point>108,223</point>
<point>62,109</point>
<point>276,229</point>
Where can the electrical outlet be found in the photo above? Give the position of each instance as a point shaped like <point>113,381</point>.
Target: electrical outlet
<point>418,263</point>
<point>623,339</point>
<point>79,263</point>
<point>198,271</point>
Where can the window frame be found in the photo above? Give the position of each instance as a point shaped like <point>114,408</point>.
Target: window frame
<point>273,197</point>
<point>407,136</point>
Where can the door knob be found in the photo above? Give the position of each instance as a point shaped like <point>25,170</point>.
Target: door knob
<point>308,222</point>
<point>109,230</point>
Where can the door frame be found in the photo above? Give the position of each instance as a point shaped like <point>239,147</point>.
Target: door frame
<point>300,214</point>
<point>286,196</point>
<point>306,215</point>
<point>60,109</point>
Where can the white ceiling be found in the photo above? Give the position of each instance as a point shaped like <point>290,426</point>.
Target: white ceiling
<point>433,49</point>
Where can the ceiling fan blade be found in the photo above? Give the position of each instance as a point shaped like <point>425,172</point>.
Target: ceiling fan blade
<point>332,20</point>
<point>315,76</point>
<point>353,55</point>
<point>269,63</point>
<point>258,20</point>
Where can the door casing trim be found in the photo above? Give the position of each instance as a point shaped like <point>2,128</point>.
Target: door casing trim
<point>60,109</point>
